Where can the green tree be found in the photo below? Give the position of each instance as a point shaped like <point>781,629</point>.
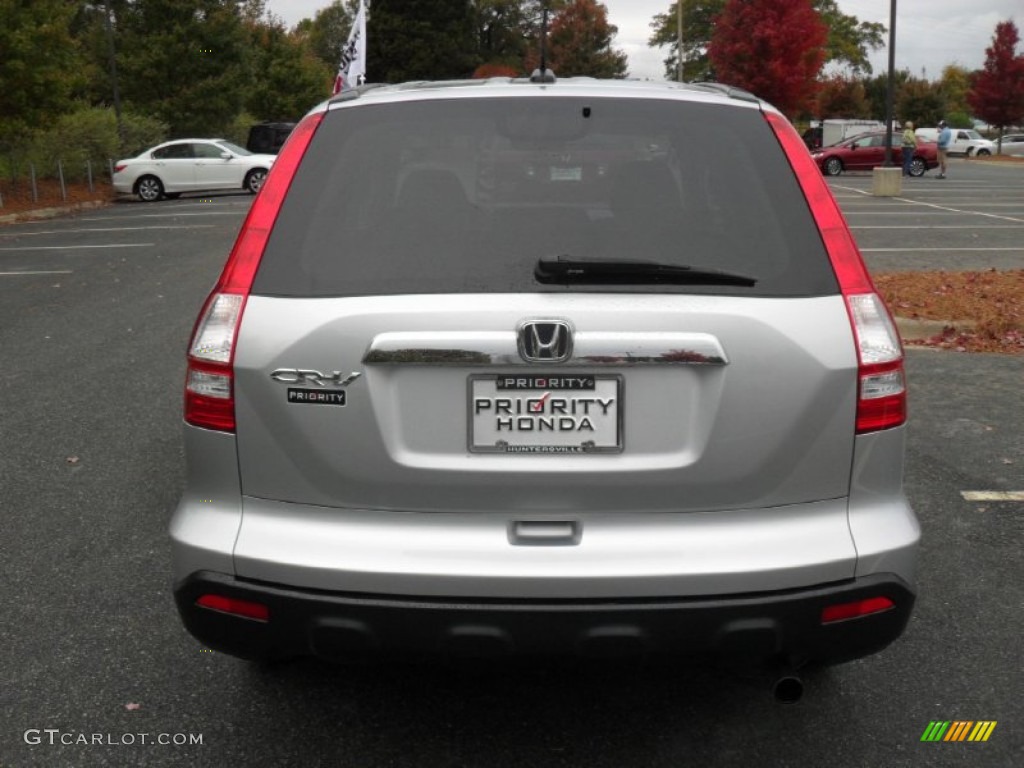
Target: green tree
<point>848,44</point>
<point>92,38</point>
<point>286,78</point>
<point>327,32</point>
<point>38,66</point>
<point>580,42</point>
<point>920,101</point>
<point>875,91</point>
<point>533,11</point>
<point>503,35</point>
<point>953,87</point>
<point>185,62</point>
<point>698,22</point>
<point>420,40</point>
<point>849,38</point>
<point>254,12</point>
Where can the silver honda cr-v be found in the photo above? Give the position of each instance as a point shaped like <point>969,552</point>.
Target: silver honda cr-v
<point>545,367</point>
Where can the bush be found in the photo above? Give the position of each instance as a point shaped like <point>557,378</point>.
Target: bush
<point>959,120</point>
<point>238,131</point>
<point>141,132</point>
<point>90,134</point>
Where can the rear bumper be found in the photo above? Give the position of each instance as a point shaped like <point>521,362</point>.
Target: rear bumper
<point>773,627</point>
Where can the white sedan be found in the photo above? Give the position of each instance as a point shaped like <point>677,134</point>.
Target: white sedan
<point>191,165</point>
<point>1013,144</point>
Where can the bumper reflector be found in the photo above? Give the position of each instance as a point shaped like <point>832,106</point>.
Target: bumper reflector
<point>855,610</point>
<point>244,608</point>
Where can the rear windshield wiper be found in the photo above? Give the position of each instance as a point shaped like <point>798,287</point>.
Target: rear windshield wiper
<point>562,269</point>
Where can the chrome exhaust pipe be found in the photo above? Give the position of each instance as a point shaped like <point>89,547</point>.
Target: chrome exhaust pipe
<point>788,688</point>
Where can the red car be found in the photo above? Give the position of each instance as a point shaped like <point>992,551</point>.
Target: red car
<point>867,151</point>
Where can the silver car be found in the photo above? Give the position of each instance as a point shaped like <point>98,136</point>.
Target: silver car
<point>578,367</point>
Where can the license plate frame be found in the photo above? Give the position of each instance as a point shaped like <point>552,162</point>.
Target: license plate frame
<point>566,413</point>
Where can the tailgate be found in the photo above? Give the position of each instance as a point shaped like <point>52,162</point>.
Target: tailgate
<point>425,403</point>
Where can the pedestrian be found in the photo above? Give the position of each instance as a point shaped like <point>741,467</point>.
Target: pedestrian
<point>908,147</point>
<point>945,137</point>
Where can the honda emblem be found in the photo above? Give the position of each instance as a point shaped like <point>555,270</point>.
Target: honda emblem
<point>545,341</point>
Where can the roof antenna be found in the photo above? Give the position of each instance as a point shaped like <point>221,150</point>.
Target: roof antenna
<point>543,74</point>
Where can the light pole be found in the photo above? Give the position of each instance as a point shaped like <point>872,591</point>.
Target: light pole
<point>889,87</point>
<point>113,74</point>
<point>679,40</point>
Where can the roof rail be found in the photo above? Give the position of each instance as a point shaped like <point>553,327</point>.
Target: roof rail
<point>355,93</point>
<point>729,90</point>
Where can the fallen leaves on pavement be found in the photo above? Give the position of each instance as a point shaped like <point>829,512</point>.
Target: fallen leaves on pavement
<point>981,311</point>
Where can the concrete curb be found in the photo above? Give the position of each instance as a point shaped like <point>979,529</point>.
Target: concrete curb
<point>912,329</point>
<point>51,213</point>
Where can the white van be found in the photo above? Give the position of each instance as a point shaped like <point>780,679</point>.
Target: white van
<point>965,141</point>
<point>834,131</point>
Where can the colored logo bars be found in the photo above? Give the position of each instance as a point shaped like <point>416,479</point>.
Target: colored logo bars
<point>958,730</point>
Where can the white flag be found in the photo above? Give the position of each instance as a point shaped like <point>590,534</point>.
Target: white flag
<point>352,69</point>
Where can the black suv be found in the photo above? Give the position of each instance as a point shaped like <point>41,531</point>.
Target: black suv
<point>268,138</point>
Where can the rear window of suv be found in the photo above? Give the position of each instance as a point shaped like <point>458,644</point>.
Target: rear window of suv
<point>465,195</point>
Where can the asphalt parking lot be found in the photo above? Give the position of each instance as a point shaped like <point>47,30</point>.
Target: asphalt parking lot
<point>973,219</point>
<point>95,669</point>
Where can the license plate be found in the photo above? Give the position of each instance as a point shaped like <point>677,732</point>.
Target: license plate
<point>545,413</point>
<point>566,174</point>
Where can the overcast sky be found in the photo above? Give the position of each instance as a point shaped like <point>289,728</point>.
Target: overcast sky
<point>929,33</point>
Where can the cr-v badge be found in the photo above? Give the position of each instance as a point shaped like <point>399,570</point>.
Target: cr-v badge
<point>320,395</point>
<point>307,376</point>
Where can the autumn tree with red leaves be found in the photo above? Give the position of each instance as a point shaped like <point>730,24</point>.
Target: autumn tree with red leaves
<point>772,48</point>
<point>997,91</point>
<point>580,42</point>
<point>495,70</point>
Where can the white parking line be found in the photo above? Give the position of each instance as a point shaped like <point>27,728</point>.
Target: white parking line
<point>926,189</point>
<point>904,212</point>
<point>79,247</point>
<point>947,209</point>
<point>51,272</point>
<point>938,250</point>
<point>936,226</point>
<point>117,229</point>
<point>969,204</point>
<point>993,495</point>
<point>207,204</point>
<point>939,210</point>
<point>159,216</point>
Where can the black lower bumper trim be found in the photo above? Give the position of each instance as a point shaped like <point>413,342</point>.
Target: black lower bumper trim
<point>757,628</point>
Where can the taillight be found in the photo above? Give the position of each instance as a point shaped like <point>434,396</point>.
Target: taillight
<point>881,388</point>
<point>209,380</point>
<point>209,385</point>
<point>119,167</point>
